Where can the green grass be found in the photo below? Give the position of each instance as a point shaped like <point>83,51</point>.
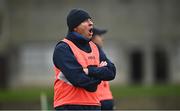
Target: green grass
<point>33,94</point>
<point>145,91</point>
<point>25,94</point>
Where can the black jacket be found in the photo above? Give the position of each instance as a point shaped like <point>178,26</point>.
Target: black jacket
<point>65,60</point>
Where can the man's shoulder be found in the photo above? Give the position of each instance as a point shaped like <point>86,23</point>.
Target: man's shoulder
<point>61,44</point>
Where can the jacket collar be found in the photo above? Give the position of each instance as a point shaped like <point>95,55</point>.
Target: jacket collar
<point>77,38</point>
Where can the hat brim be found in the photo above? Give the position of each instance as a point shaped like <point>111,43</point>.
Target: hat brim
<point>99,31</point>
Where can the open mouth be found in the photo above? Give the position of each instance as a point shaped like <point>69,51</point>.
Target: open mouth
<point>91,30</point>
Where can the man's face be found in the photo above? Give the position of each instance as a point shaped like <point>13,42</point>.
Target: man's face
<point>85,28</point>
<point>98,40</point>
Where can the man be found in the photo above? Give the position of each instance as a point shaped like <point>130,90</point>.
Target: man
<point>79,66</point>
<point>103,90</point>
<point>97,36</point>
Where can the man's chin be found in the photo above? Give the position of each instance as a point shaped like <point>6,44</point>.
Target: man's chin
<point>89,37</point>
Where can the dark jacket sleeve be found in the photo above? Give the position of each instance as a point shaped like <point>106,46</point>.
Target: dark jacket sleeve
<point>104,73</point>
<point>64,59</point>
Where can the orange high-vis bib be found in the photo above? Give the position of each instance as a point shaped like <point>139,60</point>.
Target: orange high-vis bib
<point>64,91</point>
<point>103,91</point>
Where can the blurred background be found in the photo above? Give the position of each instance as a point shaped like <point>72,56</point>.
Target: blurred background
<point>143,41</point>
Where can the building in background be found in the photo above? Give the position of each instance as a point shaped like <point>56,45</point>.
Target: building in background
<point>143,39</point>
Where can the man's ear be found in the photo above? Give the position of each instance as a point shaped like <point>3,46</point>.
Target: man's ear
<point>75,29</point>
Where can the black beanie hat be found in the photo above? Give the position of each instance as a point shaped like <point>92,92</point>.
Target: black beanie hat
<point>76,17</point>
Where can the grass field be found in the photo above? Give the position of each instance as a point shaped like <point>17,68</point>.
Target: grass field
<point>23,95</point>
<point>157,90</point>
